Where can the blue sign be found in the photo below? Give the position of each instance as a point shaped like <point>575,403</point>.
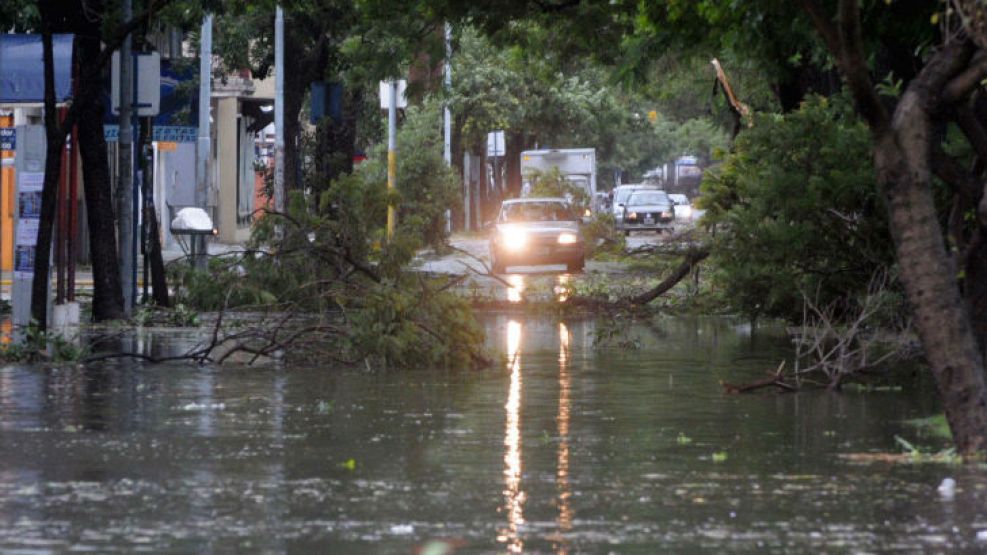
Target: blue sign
<point>169,133</point>
<point>8,138</point>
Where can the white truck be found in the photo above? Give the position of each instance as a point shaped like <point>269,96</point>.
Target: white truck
<point>577,166</point>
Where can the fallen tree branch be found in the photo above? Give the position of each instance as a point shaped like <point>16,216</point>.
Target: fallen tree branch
<point>775,380</point>
<point>692,259</point>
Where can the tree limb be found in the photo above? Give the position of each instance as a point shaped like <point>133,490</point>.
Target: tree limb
<point>854,64</point>
<point>952,172</point>
<point>973,129</point>
<point>964,83</point>
<point>683,270</point>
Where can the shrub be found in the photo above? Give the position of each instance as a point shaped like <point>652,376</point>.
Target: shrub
<point>795,209</point>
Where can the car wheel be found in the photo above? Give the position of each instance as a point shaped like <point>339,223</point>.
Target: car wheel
<point>577,266</point>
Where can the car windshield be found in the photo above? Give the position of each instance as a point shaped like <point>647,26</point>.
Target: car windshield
<point>536,212</point>
<point>621,196</point>
<point>650,197</point>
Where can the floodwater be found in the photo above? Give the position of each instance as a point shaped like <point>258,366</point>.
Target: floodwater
<point>563,447</point>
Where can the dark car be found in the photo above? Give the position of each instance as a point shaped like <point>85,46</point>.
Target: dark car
<point>536,231</point>
<point>647,210</point>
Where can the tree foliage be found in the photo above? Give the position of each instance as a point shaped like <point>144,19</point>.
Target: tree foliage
<point>426,186</point>
<point>796,211</point>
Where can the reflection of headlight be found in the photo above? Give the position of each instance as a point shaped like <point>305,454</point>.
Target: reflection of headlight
<point>513,238</point>
<point>567,238</point>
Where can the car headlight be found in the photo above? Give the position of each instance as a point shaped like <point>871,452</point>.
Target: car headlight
<point>567,238</point>
<point>666,214</point>
<point>513,238</point>
<point>587,213</point>
<point>632,216</point>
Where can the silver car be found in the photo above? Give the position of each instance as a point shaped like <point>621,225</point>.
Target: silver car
<point>648,210</point>
<point>536,231</point>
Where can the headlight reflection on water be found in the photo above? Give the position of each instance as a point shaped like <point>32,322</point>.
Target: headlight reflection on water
<point>562,289</point>
<point>562,459</point>
<point>516,289</point>
<point>513,495</point>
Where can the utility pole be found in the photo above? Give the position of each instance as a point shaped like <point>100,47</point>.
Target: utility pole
<point>279,110</point>
<point>203,144</point>
<point>125,176</point>
<point>447,126</point>
<point>392,154</point>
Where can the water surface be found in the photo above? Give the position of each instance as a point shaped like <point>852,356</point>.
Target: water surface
<point>562,447</point>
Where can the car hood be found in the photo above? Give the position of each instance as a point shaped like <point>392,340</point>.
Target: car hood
<point>649,208</point>
<point>542,228</point>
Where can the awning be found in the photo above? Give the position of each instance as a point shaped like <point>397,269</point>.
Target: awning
<point>22,70</point>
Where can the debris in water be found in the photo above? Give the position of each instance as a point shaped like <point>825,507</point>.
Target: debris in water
<point>204,406</point>
<point>947,489</point>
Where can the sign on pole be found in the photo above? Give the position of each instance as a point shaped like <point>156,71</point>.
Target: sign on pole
<point>495,144</point>
<point>30,165</point>
<point>148,97</point>
<point>385,94</point>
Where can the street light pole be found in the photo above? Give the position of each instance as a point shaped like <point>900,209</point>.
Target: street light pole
<point>125,172</point>
<point>203,145</point>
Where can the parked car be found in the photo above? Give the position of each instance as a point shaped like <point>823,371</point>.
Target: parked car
<point>620,194</point>
<point>648,209</point>
<point>536,231</point>
<point>683,208</point>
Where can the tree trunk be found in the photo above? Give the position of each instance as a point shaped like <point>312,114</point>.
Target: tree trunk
<point>107,291</point>
<point>293,95</point>
<point>158,282</point>
<point>928,272</point>
<point>514,146</point>
<point>902,153</point>
<point>55,142</point>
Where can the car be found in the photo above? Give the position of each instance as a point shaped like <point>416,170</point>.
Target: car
<point>620,194</point>
<point>646,210</point>
<point>537,231</point>
<point>683,208</point>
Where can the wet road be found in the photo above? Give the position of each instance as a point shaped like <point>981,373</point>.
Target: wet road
<point>535,283</point>
<point>478,247</point>
<point>564,447</point>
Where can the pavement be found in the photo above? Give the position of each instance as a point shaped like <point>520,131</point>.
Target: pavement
<point>84,275</point>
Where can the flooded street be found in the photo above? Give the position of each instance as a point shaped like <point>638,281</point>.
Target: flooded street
<point>561,447</point>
